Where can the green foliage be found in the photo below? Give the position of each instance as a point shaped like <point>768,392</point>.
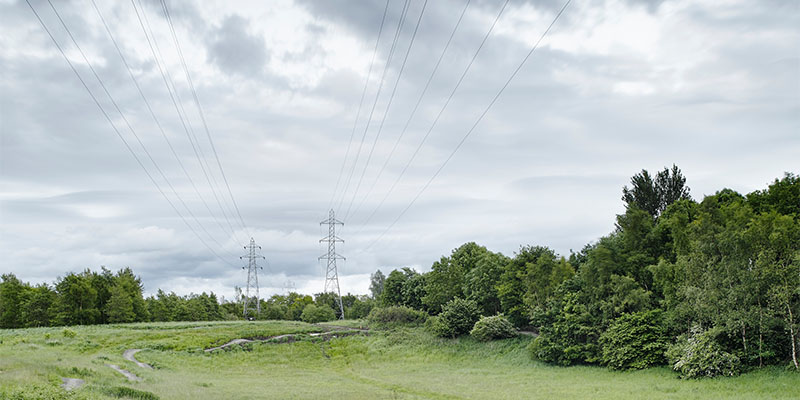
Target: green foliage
<point>782,196</point>
<point>130,393</point>
<point>392,294</point>
<point>313,314</point>
<point>68,333</point>
<point>654,195</point>
<point>11,293</point>
<point>360,308</point>
<point>518,287</point>
<point>120,306</point>
<point>636,340</point>
<point>38,392</point>
<point>699,355</point>
<point>568,329</point>
<point>448,276</point>
<point>458,317</point>
<point>387,317</point>
<point>493,328</point>
<point>481,282</point>
<point>376,282</point>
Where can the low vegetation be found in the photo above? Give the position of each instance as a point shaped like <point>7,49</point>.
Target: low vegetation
<point>493,328</point>
<point>400,363</point>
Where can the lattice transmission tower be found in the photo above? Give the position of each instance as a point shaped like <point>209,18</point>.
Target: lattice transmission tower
<point>252,278</point>
<point>332,274</point>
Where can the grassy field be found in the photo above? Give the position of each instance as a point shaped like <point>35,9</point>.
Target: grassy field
<point>402,364</point>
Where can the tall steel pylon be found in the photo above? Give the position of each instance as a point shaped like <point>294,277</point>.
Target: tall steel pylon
<point>332,274</point>
<point>252,277</point>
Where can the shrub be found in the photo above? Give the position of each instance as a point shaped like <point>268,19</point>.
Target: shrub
<point>699,355</point>
<point>491,328</point>
<point>314,313</point>
<point>635,340</point>
<point>458,316</point>
<point>383,317</point>
<point>69,333</point>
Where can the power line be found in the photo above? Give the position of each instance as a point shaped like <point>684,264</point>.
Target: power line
<point>439,115</point>
<point>388,107</point>
<point>414,110</point>
<point>155,119</point>
<point>202,115</point>
<point>119,134</point>
<point>128,124</point>
<point>474,125</point>
<point>167,79</point>
<point>377,96</point>
<point>360,103</point>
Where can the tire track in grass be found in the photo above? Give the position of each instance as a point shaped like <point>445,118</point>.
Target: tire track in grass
<point>128,374</point>
<point>130,355</point>
<point>72,383</point>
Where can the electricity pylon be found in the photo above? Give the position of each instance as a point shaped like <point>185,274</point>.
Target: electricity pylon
<point>332,274</point>
<point>252,277</point>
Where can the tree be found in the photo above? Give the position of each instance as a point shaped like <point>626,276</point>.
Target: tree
<point>76,303</point>
<point>447,278</point>
<point>11,294</point>
<point>313,314</point>
<point>413,290</point>
<point>119,308</point>
<point>518,281</point>
<point>37,306</point>
<point>481,282</point>
<point>392,294</point>
<point>376,282</point>
<point>782,196</point>
<point>132,285</point>
<point>654,195</point>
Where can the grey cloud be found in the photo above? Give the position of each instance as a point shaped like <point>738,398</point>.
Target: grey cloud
<point>235,51</point>
<point>545,166</point>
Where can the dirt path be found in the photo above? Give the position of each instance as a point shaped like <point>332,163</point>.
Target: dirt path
<point>131,377</point>
<point>130,356</point>
<point>290,337</point>
<point>71,383</point>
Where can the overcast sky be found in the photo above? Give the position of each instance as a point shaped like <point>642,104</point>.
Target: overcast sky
<point>615,87</point>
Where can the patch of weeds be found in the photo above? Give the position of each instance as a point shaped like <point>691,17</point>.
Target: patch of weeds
<point>130,393</point>
<point>69,333</point>
<point>87,346</point>
<point>38,392</point>
<point>74,371</point>
<point>54,343</point>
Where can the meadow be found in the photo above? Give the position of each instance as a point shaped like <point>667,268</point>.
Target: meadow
<point>404,363</point>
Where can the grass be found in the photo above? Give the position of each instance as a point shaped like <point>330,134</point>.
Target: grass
<point>403,363</point>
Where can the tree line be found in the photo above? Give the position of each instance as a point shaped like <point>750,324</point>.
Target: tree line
<point>675,279</point>
<point>103,297</point>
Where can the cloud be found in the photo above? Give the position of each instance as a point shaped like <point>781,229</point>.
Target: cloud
<point>617,86</point>
<point>235,51</point>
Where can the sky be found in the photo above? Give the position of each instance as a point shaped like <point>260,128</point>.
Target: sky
<point>310,107</point>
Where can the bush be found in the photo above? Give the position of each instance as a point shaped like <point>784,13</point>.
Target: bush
<point>699,355</point>
<point>635,340</point>
<point>69,333</point>
<point>458,317</point>
<point>314,313</point>
<point>384,317</point>
<point>492,328</point>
